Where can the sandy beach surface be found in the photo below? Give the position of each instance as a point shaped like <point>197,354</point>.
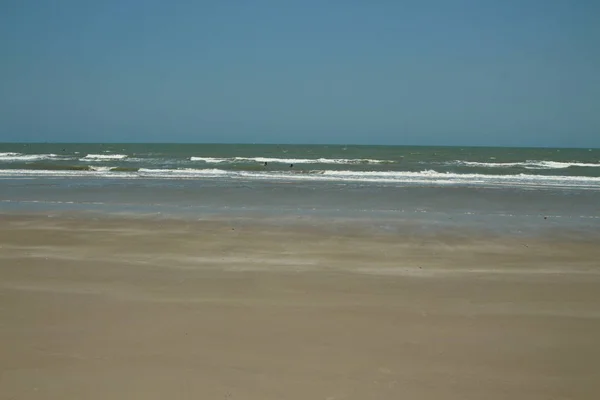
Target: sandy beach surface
<point>146,308</point>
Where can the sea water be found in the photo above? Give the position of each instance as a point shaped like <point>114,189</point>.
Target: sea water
<point>513,189</point>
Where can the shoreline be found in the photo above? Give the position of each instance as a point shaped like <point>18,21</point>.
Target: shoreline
<point>379,223</point>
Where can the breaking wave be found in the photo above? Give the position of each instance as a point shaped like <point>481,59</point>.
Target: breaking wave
<point>427,177</point>
<point>529,164</point>
<point>104,157</point>
<point>30,157</point>
<point>217,160</point>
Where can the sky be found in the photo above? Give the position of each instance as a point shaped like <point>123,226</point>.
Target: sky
<point>428,72</point>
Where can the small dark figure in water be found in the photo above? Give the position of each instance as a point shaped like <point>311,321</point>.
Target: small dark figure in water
<point>265,164</point>
<point>291,165</point>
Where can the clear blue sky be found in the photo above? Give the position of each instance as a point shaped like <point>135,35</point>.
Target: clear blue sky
<point>479,72</point>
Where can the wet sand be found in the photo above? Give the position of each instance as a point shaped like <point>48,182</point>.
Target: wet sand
<point>125,308</point>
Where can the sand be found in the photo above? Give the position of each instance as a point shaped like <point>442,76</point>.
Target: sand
<point>130,308</point>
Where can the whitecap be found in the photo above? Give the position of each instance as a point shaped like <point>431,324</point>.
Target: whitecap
<point>529,164</point>
<point>104,157</point>
<point>30,157</point>
<point>291,160</point>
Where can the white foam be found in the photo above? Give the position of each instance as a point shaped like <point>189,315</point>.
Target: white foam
<point>182,173</point>
<point>484,164</point>
<point>312,160</point>
<point>429,177</point>
<point>291,160</point>
<point>529,164</point>
<point>30,157</point>
<point>104,157</point>
<point>559,165</point>
<point>43,173</point>
<point>100,169</point>
<point>431,174</point>
<point>210,159</point>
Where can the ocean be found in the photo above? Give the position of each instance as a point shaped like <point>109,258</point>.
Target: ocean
<point>506,188</point>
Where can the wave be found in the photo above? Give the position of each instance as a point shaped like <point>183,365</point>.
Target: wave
<point>449,177</point>
<point>217,160</point>
<point>59,167</point>
<point>104,157</point>
<point>529,164</point>
<point>184,172</point>
<point>211,159</point>
<point>427,177</point>
<point>30,157</point>
<point>123,169</point>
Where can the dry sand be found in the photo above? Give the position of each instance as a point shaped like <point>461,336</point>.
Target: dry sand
<point>118,308</point>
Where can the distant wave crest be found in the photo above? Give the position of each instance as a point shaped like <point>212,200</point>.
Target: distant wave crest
<point>29,157</point>
<point>104,157</point>
<point>217,160</point>
<point>529,164</point>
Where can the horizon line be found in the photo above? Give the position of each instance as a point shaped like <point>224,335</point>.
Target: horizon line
<point>306,144</point>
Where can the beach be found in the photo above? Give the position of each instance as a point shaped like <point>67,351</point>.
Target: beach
<point>337,200</point>
<point>102,306</point>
